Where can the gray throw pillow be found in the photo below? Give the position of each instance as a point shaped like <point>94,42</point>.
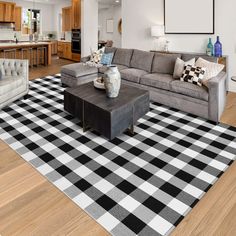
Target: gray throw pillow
<point>179,67</point>
<point>0,74</point>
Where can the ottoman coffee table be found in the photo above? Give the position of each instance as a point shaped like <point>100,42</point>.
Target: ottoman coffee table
<point>109,116</point>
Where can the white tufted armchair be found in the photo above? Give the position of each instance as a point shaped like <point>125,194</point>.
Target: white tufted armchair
<point>14,83</point>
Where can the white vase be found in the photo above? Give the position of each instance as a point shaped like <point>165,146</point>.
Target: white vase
<point>112,81</point>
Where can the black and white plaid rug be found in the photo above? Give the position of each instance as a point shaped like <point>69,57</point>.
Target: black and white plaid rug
<point>142,185</point>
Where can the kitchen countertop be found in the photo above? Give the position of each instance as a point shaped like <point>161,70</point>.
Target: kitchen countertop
<point>64,41</point>
<point>22,44</point>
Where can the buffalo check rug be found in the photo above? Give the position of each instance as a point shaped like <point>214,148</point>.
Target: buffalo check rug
<point>143,184</point>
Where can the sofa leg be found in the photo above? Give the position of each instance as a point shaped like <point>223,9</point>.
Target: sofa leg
<point>26,96</point>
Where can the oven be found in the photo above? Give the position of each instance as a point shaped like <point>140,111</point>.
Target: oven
<point>76,41</point>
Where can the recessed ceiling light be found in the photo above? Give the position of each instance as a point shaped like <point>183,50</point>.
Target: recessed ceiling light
<point>117,1</point>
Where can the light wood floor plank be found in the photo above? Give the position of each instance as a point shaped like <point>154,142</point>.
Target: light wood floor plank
<point>212,208</point>
<point>19,185</point>
<point>32,206</point>
<point>12,161</point>
<point>229,115</point>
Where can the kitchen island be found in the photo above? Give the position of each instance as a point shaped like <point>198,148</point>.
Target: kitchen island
<point>37,53</point>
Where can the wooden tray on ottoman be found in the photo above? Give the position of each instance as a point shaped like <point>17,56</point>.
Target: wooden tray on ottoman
<point>109,116</point>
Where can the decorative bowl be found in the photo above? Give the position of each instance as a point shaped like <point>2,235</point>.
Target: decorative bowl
<point>99,83</point>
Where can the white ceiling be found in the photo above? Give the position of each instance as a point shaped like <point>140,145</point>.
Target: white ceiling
<point>109,2</point>
<point>52,2</point>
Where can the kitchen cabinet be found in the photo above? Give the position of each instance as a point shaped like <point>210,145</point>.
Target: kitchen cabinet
<point>64,50</point>
<point>10,12</point>
<point>2,7</point>
<point>67,51</point>
<point>76,57</point>
<point>76,14</point>
<point>66,19</point>
<point>7,12</point>
<point>18,15</point>
<point>54,47</point>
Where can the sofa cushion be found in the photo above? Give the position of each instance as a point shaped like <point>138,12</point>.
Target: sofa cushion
<point>132,74</point>
<point>78,70</point>
<point>104,68</point>
<point>142,60</point>
<point>157,80</point>
<point>190,90</point>
<point>179,67</point>
<point>189,56</point>
<point>164,63</point>
<point>123,56</point>
<point>110,50</point>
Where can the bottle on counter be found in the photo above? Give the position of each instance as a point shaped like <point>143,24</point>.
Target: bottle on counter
<point>36,37</point>
<point>210,48</point>
<point>15,38</point>
<point>218,47</point>
<point>31,38</point>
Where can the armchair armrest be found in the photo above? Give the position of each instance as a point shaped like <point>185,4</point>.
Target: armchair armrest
<point>217,96</point>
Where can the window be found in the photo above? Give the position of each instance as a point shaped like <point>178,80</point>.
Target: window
<point>31,20</point>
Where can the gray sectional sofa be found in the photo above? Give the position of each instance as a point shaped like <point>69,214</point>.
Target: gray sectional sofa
<point>154,71</point>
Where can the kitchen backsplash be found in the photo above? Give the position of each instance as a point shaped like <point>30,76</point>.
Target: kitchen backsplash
<point>8,34</point>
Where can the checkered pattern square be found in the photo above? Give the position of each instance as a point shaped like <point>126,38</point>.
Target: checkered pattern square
<point>193,74</point>
<point>143,184</point>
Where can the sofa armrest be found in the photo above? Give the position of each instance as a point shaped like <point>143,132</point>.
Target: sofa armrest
<point>85,59</point>
<point>217,96</point>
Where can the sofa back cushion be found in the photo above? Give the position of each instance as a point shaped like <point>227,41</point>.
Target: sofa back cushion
<point>123,56</point>
<point>189,56</point>
<point>110,50</point>
<point>164,63</point>
<point>142,60</point>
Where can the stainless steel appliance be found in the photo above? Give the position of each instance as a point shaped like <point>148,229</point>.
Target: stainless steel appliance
<point>76,41</point>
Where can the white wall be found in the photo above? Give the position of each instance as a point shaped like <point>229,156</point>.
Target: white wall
<point>138,16</point>
<point>112,12</point>
<point>57,10</point>
<point>89,26</point>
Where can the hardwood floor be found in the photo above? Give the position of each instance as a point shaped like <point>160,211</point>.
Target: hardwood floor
<point>54,68</point>
<point>229,115</point>
<point>32,206</point>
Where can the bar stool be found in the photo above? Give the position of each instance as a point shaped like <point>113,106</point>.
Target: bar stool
<point>22,53</point>
<point>11,51</point>
<point>28,56</point>
<point>31,57</point>
<point>41,56</point>
<point>34,56</point>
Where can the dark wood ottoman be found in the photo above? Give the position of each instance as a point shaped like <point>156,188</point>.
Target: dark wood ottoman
<point>109,116</point>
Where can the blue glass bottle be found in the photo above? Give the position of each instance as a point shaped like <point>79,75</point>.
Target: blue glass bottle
<point>218,48</point>
<point>210,48</point>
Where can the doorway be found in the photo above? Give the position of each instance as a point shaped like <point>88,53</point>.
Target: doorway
<point>109,23</point>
